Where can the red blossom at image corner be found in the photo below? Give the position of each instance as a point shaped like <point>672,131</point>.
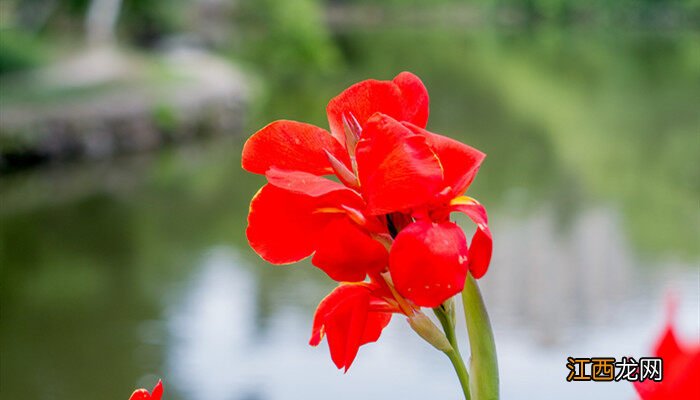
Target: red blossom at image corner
<point>681,367</point>
<point>385,217</point>
<point>143,394</point>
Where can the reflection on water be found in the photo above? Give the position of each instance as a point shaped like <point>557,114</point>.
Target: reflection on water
<point>212,330</point>
<point>539,316</point>
<point>556,282</point>
<point>115,273</point>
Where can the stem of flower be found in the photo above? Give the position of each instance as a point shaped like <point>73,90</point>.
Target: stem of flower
<point>461,370</point>
<point>483,365</point>
<point>447,320</point>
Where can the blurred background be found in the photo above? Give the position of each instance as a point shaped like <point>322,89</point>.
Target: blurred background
<point>123,206</point>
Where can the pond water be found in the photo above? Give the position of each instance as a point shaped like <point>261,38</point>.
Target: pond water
<point>115,273</point>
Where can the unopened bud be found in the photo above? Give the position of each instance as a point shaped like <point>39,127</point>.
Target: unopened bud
<point>426,329</point>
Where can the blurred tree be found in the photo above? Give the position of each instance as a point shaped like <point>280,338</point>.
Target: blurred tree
<point>19,50</point>
<point>145,23</point>
<point>287,36</point>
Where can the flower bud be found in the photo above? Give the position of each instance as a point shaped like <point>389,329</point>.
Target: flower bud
<point>426,329</point>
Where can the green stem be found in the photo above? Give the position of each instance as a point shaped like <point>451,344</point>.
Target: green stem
<point>483,365</point>
<point>448,325</point>
<point>461,371</point>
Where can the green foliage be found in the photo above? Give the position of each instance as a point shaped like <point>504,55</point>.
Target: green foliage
<point>144,22</point>
<point>19,50</point>
<point>165,117</point>
<point>598,12</point>
<point>139,22</point>
<point>287,37</point>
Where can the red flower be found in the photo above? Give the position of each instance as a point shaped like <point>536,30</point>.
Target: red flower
<point>142,394</point>
<point>352,315</point>
<point>286,227</point>
<point>386,216</point>
<point>681,370</point>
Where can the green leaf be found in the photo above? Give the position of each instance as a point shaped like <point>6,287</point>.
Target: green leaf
<point>483,366</point>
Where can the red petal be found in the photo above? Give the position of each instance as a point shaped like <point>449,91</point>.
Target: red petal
<point>667,347</point>
<point>344,317</point>
<point>396,168</point>
<point>681,370</point>
<point>291,145</point>
<point>346,327</point>
<point>681,366</point>
<point>283,226</point>
<point>308,184</point>
<point>361,101</point>
<point>428,262</point>
<point>415,99</point>
<point>405,99</point>
<point>460,162</point>
<point>481,246</point>
<point>140,394</point>
<point>480,250</point>
<point>157,391</point>
<point>680,380</point>
<point>376,322</point>
<point>346,253</point>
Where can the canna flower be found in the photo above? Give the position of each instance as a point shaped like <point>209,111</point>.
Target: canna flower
<point>372,197</point>
<point>294,156</point>
<point>142,394</point>
<point>681,369</point>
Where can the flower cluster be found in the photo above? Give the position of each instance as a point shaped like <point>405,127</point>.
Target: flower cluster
<point>371,201</point>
